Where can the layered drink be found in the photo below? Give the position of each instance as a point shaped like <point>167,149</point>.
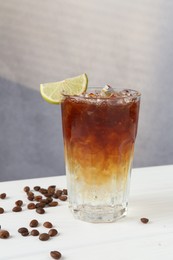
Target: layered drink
<point>99,131</point>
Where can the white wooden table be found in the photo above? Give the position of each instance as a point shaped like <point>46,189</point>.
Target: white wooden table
<point>151,196</point>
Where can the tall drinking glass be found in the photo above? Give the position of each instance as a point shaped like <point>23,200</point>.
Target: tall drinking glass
<point>99,136</point>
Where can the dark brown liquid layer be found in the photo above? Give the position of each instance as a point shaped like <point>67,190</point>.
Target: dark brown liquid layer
<point>99,137</point>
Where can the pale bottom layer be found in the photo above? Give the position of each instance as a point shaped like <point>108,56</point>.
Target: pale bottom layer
<point>99,214</point>
<point>98,203</point>
<point>98,197</point>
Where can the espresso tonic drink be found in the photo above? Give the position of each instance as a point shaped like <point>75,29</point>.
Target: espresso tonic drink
<point>99,132</point>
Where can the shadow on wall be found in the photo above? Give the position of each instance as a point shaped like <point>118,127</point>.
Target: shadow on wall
<point>31,142</point>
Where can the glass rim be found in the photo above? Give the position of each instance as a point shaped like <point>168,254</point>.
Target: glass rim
<point>133,94</point>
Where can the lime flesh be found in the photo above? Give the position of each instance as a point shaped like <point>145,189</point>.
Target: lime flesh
<point>53,92</point>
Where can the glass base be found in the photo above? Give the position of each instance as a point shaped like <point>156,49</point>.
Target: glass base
<point>102,214</point>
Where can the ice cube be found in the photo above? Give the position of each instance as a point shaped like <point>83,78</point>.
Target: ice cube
<point>125,93</point>
<point>107,91</point>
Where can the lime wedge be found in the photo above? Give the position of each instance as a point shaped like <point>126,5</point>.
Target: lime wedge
<point>52,92</point>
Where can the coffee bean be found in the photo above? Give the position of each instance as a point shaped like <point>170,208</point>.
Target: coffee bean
<point>30,197</point>
<point>48,195</point>
<point>64,192</point>
<point>30,193</point>
<point>34,232</point>
<point>44,236</point>
<point>17,209</point>
<point>31,206</point>
<point>19,203</point>
<point>26,188</point>
<point>33,223</point>
<point>58,193</point>
<point>51,189</point>
<point>3,196</point>
<point>144,220</point>
<point>37,188</point>
<point>40,205</point>
<point>40,210</point>
<point>43,191</point>
<point>49,199</point>
<point>25,234</point>
<point>47,224</point>
<point>4,234</point>
<point>63,197</point>
<point>55,196</point>
<point>55,254</point>
<point>22,230</point>
<point>52,232</point>
<point>53,204</point>
<point>44,201</point>
<point>38,198</point>
<point>1,210</point>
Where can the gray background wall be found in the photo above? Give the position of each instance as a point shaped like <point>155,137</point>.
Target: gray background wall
<point>121,43</point>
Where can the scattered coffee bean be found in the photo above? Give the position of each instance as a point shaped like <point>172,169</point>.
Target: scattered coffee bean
<point>38,198</point>
<point>19,203</point>
<point>34,232</point>
<point>53,204</point>
<point>33,223</point>
<point>48,200</point>
<point>25,234</point>
<point>30,197</point>
<point>31,206</point>
<point>1,210</point>
<point>52,186</point>
<point>44,236</point>
<point>144,220</point>
<point>51,189</point>
<point>63,197</point>
<point>26,189</point>
<point>52,232</point>
<point>40,205</point>
<point>30,193</point>
<point>3,196</point>
<point>22,230</point>
<point>17,209</point>
<point>40,210</point>
<point>64,192</point>
<point>4,234</point>
<point>37,188</point>
<point>43,191</point>
<point>48,195</point>
<point>47,224</point>
<point>44,201</point>
<point>55,196</point>
<point>55,254</point>
<point>58,193</point>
